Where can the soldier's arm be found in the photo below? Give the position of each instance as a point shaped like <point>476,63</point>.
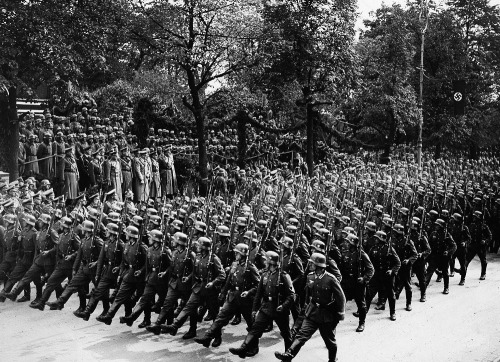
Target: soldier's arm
<point>339,300</point>
<point>218,271</point>
<point>225,288</point>
<point>413,252</point>
<point>298,269</point>
<point>254,278</point>
<point>288,295</point>
<point>487,234</point>
<point>100,261</point>
<point>167,259</point>
<point>257,301</point>
<point>78,259</point>
<point>427,247</point>
<point>144,259</point>
<point>395,261</point>
<point>465,235</point>
<point>369,270</point>
<point>335,269</point>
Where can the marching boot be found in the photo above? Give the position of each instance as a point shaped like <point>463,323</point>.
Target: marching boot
<point>25,298</point>
<point>171,329</point>
<point>156,328</point>
<point>252,347</point>
<point>12,295</point>
<point>462,281</point>
<point>361,327</point>
<point>423,297</point>
<point>392,307</point>
<point>205,340</point>
<point>290,352</point>
<point>105,306</point>
<point>108,317</point>
<point>147,319</point>
<point>59,290</point>
<point>483,271</point>
<point>217,340</point>
<point>193,324</point>
<point>113,295</point>
<point>236,320</point>
<point>83,302</point>
<point>408,300</point>
<point>269,328</point>
<point>129,319</point>
<point>89,309</point>
<point>244,348</point>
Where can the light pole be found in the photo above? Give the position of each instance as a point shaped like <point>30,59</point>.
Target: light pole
<point>423,18</point>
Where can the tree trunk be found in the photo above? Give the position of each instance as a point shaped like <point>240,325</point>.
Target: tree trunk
<point>310,138</point>
<point>242,138</point>
<point>9,135</point>
<point>437,151</point>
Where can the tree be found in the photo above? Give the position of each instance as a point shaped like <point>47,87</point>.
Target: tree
<point>206,41</point>
<point>384,103</point>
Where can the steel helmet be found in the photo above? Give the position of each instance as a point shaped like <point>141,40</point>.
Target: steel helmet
<point>137,221</point>
<point>223,230</point>
<point>293,221</point>
<point>241,221</point>
<point>181,238</point>
<point>132,232</point>
<point>112,228</point>
<point>250,235</point>
<point>114,217</point>
<point>352,239</point>
<point>177,224</point>
<point>205,243</point>
<point>291,230</point>
<point>287,242</point>
<point>241,249</point>
<point>88,226</point>
<point>381,235</point>
<point>272,257</point>
<point>93,213</point>
<point>399,229</point>
<point>30,220</point>
<point>10,218</point>
<point>156,235</point>
<point>155,220</point>
<point>200,226</point>
<point>45,218</point>
<point>318,259</point>
<point>370,225</point>
<point>66,222</point>
<point>318,245</point>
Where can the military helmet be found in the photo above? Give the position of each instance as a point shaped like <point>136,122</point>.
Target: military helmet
<point>132,232</point>
<point>30,220</point>
<point>381,235</point>
<point>352,239</point>
<point>156,235</point>
<point>177,224</point>
<point>88,226</point>
<point>93,213</point>
<point>272,257</point>
<point>440,222</point>
<point>137,221</point>
<point>155,220</point>
<point>180,238</point>
<point>10,218</point>
<point>241,249</point>
<point>66,222</point>
<point>346,220</point>
<point>321,217</point>
<point>205,243</point>
<point>293,221</point>
<point>317,225</point>
<point>478,214</point>
<point>370,225</point>
<point>241,221</point>
<point>261,224</point>
<point>457,217</point>
<point>399,229</point>
<point>291,230</point>
<point>223,231</point>
<point>200,226</point>
<point>45,218</point>
<point>112,228</point>
<point>114,217</point>
<point>318,245</point>
<point>318,259</point>
<point>287,242</point>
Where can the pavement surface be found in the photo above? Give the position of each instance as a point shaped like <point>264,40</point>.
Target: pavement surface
<point>461,326</point>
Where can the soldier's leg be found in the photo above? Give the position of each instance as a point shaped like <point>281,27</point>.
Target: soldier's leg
<point>360,300</point>
<point>228,310</point>
<point>78,282</point>
<point>123,296</point>
<point>167,309</point>
<point>305,333</point>
<point>431,268</point>
<point>444,262</point>
<point>283,322</point>
<point>388,291</point>
<point>327,332</point>
<point>5,268</point>
<point>482,257</point>
<point>419,270</point>
<point>472,251</point>
<point>189,310</point>
<point>16,275</point>
<point>33,272</point>
<point>406,281</point>
<point>246,310</point>
<point>55,280</point>
<point>372,290</point>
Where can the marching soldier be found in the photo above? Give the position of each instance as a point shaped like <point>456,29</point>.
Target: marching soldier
<point>10,245</point>
<point>423,251</point>
<point>480,239</point>
<point>357,271</point>
<point>407,254</point>
<point>272,302</point>
<point>460,234</point>
<point>325,309</point>
<point>237,294</point>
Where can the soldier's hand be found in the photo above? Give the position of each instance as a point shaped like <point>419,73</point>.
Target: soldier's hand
<point>462,244</point>
<point>115,270</point>
<point>389,272</point>
<point>361,280</point>
<point>209,285</point>
<point>279,309</point>
<point>91,265</point>
<point>184,279</point>
<point>254,314</point>
<point>244,294</point>
<point>419,255</point>
<point>67,257</point>
<point>405,261</point>
<point>44,253</point>
<point>161,274</point>
<point>137,273</point>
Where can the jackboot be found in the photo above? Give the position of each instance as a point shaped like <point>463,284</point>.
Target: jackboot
<point>89,309</point>
<point>205,340</point>
<point>13,294</point>
<point>236,320</point>
<point>193,325</point>
<point>290,353</point>
<point>244,348</point>
<point>108,317</point>
<point>129,319</point>
<point>146,320</point>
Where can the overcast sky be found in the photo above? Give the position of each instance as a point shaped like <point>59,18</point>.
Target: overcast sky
<point>365,6</point>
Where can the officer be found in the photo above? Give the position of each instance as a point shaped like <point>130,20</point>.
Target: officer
<point>133,269</point>
<point>66,251</point>
<point>159,259</point>
<point>237,295</point>
<point>480,239</point>
<point>357,271</point>
<point>386,264</point>
<point>208,274</point>
<point>44,262</point>
<point>84,269</point>
<point>108,265</point>
<point>179,285</point>
<point>325,308</point>
<point>407,254</point>
<point>443,247</point>
<point>460,233</point>
<point>273,299</point>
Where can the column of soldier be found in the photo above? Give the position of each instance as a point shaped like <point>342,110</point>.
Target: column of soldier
<point>282,245</point>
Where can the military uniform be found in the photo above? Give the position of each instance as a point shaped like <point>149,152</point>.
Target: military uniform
<point>423,251</point>
<point>407,255</point>
<point>480,239</point>
<point>443,247</point>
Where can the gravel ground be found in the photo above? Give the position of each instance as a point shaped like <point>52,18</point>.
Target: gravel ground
<point>461,326</point>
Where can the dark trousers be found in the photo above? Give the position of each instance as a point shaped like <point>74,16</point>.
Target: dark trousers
<point>382,284</point>
<point>480,251</point>
<point>419,270</point>
<point>5,268</point>
<point>262,321</point>
<point>357,291</point>
<point>191,310</point>
<point>228,310</point>
<point>55,280</point>
<point>327,331</point>
<point>167,309</point>
<point>80,284</point>
<point>461,256</point>
<point>403,281</point>
<point>128,293</point>
<point>35,274</point>
<point>438,262</point>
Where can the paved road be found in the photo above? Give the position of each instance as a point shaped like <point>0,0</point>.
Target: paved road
<point>462,326</point>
